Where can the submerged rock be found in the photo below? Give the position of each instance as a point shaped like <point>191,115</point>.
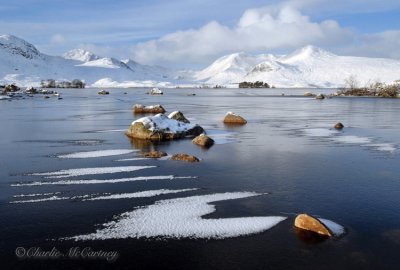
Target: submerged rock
<point>161,128</point>
<point>178,116</point>
<point>139,108</point>
<point>203,140</point>
<point>185,157</point>
<point>309,223</point>
<point>339,126</point>
<point>232,118</point>
<point>155,154</point>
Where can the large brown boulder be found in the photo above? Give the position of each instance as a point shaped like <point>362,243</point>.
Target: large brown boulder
<point>162,128</point>
<point>139,108</point>
<point>185,157</point>
<point>309,223</point>
<point>232,118</point>
<point>155,154</point>
<point>339,126</point>
<point>178,116</point>
<point>203,140</point>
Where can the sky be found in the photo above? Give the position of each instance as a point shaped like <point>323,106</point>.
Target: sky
<point>193,33</point>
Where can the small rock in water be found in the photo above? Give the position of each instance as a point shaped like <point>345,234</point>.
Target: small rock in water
<point>139,108</point>
<point>232,118</point>
<point>46,97</point>
<point>203,140</point>
<point>155,154</point>
<point>339,126</point>
<point>185,157</point>
<point>320,96</point>
<point>308,94</point>
<point>309,223</point>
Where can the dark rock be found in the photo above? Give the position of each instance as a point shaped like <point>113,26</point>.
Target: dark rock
<point>185,157</point>
<point>139,108</point>
<point>178,116</point>
<point>339,126</point>
<point>203,140</point>
<point>155,154</point>
<point>232,118</point>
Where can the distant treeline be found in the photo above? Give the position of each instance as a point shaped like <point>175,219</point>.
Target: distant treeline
<point>257,84</point>
<point>50,83</point>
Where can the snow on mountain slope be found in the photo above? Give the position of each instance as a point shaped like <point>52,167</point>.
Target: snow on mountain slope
<point>23,64</point>
<point>306,67</point>
<point>80,55</point>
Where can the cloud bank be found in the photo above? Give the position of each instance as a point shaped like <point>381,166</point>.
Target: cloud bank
<point>272,27</point>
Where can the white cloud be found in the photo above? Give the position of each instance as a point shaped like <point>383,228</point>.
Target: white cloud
<point>280,26</point>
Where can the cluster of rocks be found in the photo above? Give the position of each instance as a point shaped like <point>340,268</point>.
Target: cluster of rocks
<point>155,91</point>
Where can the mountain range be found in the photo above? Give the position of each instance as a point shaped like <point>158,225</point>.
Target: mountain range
<point>23,64</point>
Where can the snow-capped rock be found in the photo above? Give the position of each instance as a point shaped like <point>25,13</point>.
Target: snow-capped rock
<point>80,55</point>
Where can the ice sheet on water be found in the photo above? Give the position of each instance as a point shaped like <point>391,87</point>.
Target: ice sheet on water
<point>335,228</point>
<point>99,153</point>
<point>90,171</point>
<point>52,198</point>
<point>108,181</point>
<point>36,194</point>
<point>182,218</point>
<point>130,159</point>
<point>319,132</point>
<point>141,194</point>
<point>384,147</point>
<point>352,139</point>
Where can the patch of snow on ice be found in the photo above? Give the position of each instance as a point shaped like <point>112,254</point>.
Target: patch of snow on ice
<point>353,139</point>
<point>91,171</point>
<point>36,194</point>
<point>335,228</point>
<point>182,217</point>
<point>109,181</point>
<point>384,147</point>
<point>131,159</point>
<point>141,194</point>
<point>319,132</point>
<point>52,198</point>
<point>100,153</point>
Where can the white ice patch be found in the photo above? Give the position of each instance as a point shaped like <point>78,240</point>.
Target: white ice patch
<point>352,139</point>
<point>319,132</point>
<point>335,228</point>
<point>35,194</point>
<point>162,122</point>
<point>109,181</point>
<point>131,159</point>
<point>384,147</point>
<point>100,153</point>
<point>141,194</point>
<point>182,217</point>
<point>52,198</point>
<point>91,171</point>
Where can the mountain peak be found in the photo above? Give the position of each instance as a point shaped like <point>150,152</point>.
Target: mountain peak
<point>80,55</point>
<point>18,46</point>
<point>306,52</point>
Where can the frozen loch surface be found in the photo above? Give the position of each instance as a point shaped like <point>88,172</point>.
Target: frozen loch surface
<point>182,217</point>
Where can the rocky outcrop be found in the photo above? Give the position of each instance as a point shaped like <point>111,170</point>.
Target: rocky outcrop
<point>139,108</point>
<point>155,154</point>
<point>185,157</point>
<point>178,116</point>
<point>232,118</point>
<point>339,126</point>
<point>309,223</point>
<point>203,140</point>
<point>162,128</point>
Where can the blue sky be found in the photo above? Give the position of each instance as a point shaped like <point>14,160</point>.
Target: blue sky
<point>194,32</point>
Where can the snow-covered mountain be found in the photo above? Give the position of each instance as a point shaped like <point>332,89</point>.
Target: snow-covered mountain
<point>306,67</point>
<point>23,64</point>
